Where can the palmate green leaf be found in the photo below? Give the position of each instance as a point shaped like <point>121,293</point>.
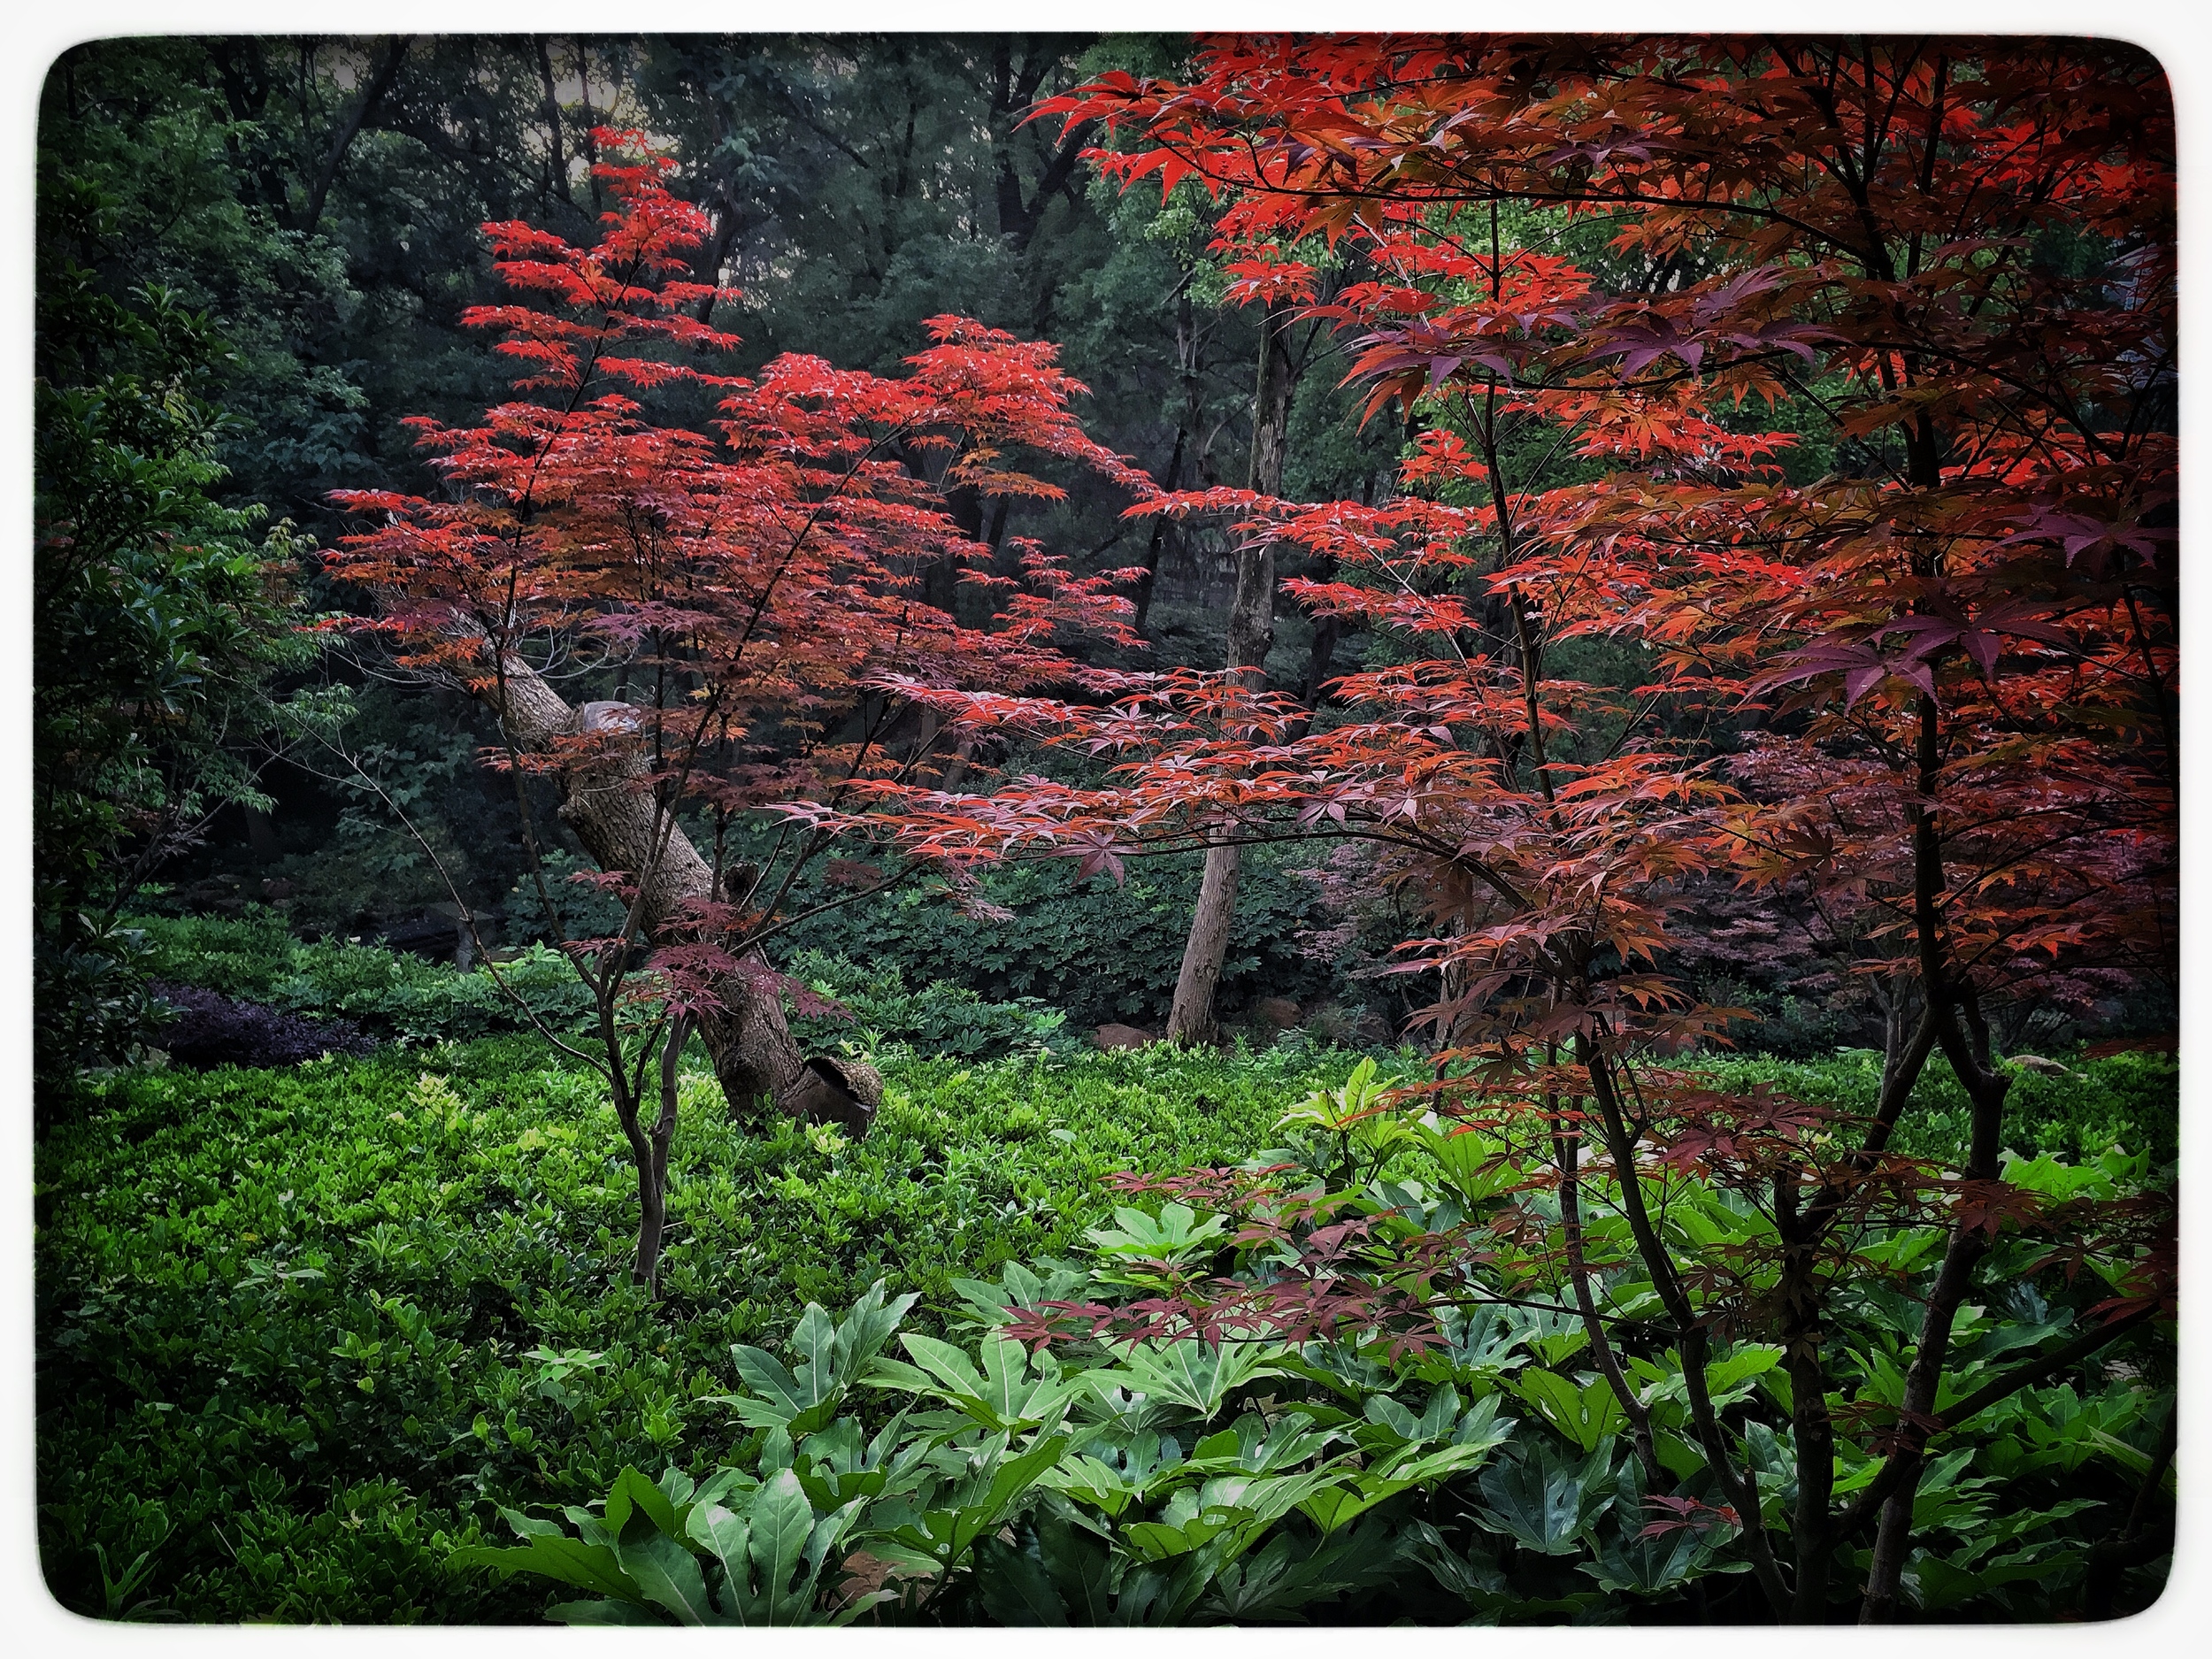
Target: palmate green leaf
<point>1482,1340</point>
<point>1254,1446</point>
<point>1727,1379</point>
<point>1940,1587</point>
<point>1176,1235</point>
<point>2013,1525</point>
<point>1335,1506</point>
<point>1118,1414</point>
<point>1474,1165</point>
<point>1081,1567</point>
<point>1163,1540</point>
<point>771,1551</point>
<point>935,1541</point>
<point>1387,1414</point>
<point>1009,1483</point>
<point>828,1359</point>
<point>1072,1577</point>
<point>1418,1468</point>
<point>1191,1374</point>
<point>1624,1562</point>
<point>836,1469</point>
<point>1088,1480</point>
<point>1003,1395</point>
<point>1343,1109</point>
<point>1259,1501</point>
<point>1543,1503</point>
<point>1648,1566</point>
<point>1017,1587</point>
<point>1588,1413</point>
<point>991,1305</point>
<point>1289,1573</point>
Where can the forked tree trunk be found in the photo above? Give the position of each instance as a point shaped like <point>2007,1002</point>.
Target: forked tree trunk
<point>1251,631</point>
<point>755,1059</point>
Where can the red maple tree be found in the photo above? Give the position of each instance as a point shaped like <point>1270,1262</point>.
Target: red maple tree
<point>1941,672</point>
<point>741,590</point>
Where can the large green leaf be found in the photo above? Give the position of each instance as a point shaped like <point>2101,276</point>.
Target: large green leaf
<point>1588,1413</point>
<point>1194,1376</point>
<point>632,1494</point>
<point>1545,1503</point>
<point>827,1359</point>
<point>782,1524</point>
<point>566,1560</point>
<point>1003,1395</point>
<point>668,1575</point>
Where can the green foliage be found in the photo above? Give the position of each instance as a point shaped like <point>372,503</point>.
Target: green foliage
<point>326,1317</point>
<point>2127,1099</point>
<point>393,994</point>
<point>1102,951</point>
<point>160,617</point>
<point>939,1020</point>
<point>1175,1483</point>
<point>387,993</point>
<point>339,1316</point>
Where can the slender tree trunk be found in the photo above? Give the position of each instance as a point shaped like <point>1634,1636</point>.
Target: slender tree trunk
<point>1251,631</point>
<point>556,160</point>
<point>1812,1429</point>
<point>381,80</point>
<point>1954,1014</point>
<point>651,1146</point>
<point>755,1058</point>
<point>1566,1149</point>
<point>1170,480</point>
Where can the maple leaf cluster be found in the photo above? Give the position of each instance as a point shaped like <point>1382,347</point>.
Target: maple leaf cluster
<point>751,585</point>
<point>1923,706</point>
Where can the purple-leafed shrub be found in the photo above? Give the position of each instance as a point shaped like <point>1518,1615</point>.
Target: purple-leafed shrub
<point>211,1030</point>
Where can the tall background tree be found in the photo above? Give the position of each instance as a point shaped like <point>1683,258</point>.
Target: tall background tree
<point>159,617</point>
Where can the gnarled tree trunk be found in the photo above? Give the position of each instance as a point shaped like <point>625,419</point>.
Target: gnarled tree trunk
<point>755,1059</point>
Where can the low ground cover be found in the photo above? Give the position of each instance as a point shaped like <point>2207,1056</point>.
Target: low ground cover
<point>296,1325</point>
<point>302,1330</point>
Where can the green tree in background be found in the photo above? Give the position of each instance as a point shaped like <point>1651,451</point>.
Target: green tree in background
<point>159,617</point>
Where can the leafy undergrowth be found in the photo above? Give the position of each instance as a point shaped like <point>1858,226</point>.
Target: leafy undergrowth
<point>302,1330</point>
<point>297,1326</point>
<point>2127,1099</point>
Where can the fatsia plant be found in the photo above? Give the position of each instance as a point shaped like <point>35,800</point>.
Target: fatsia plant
<point>1929,693</point>
<point>739,590</point>
<point>1485,1468</point>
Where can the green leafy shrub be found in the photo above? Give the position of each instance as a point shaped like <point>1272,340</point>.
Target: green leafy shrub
<point>1102,951</point>
<point>387,993</point>
<point>2127,1099</point>
<point>939,1020</point>
<point>1484,1479</point>
<point>326,1317</point>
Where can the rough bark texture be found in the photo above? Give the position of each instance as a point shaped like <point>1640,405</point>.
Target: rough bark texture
<point>755,1056</point>
<point>1251,631</point>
